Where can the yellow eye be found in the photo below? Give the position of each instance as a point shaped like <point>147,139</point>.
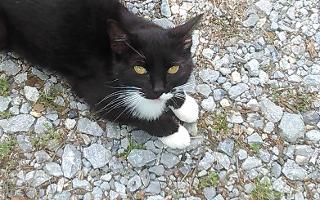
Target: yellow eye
<point>140,70</point>
<point>173,69</point>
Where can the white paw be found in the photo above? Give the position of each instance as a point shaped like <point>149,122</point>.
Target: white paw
<point>189,111</point>
<point>178,140</point>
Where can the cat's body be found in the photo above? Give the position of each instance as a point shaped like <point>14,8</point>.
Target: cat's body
<point>119,63</point>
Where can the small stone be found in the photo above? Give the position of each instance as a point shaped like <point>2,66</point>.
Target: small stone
<point>227,146</point>
<point>235,118</point>
<point>39,74</point>
<point>164,23</point>
<point>4,103</point>
<point>292,127</point>
<point>19,123</point>
<point>59,100</point>
<point>158,170</point>
<point>165,8</point>
<point>206,162</point>
<point>81,184</point>
<point>113,130</point>
<point>253,67</point>
<point>253,105</point>
<point>225,103</point>
<point>208,53</point>
<point>293,171</point>
<point>140,136</point>
<point>204,89</point>
<point>251,21</point>
<point>271,111</point>
<point>64,195</point>
<point>242,154</point>
<point>97,155</point>
<point>313,135</point>
<point>140,158</point>
<point>218,94</point>
<point>237,90</point>
<point>269,127</point>
<point>311,117</point>
<point>251,163</point>
<point>53,169</point>
<point>31,93</point>
<point>209,193</point>
<point>276,169</point>
<point>9,67</point>
<point>265,5</point>
<point>120,188</point>
<point>42,125</point>
<point>97,193</point>
<point>218,197</point>
<point>153,188</point>
<point>208,104</point>
<point>209,76</point>
<point>312,80</point>
<point>41,156</point>
<point>169,160</point>
<point>235,77</point>
<point>20,78</point>
<point>24,143</point>
<point>304,150</point>
<point>89,127</point>
<point>264,155</point>
<point>134,183</point>
<point>25,108</point>
<point>222,159</point>
<point>71,161</point>
<point>37,178</point>
<point>145,177</point>
<point>255,138</point>
<point>281,186</point>
<point>72,114</point>
<point>70,123</point>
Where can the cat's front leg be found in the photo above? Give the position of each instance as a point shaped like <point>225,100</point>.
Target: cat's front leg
<point>184,107</point>
<point>167,129</point>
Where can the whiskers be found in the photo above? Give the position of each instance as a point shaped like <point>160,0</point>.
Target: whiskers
<point>125,98</point>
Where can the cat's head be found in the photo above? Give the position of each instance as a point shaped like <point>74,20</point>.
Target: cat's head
<point>152,58</point>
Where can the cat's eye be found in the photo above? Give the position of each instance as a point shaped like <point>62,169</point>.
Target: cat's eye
<point>140,70</point>
<point>173,69</point>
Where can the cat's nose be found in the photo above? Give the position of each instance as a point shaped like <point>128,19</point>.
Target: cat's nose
<point>158,88</point>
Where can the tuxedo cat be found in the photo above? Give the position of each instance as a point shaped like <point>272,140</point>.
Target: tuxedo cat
<point>127,68</point>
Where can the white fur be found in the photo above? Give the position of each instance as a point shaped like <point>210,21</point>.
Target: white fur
<point>148,109</point>
<point>178,140</point>
<point>189,111</point>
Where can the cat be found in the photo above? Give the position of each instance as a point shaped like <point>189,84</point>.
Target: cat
<point>128,69</point>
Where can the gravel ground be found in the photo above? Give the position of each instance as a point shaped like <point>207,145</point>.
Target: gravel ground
<point>257,81</point>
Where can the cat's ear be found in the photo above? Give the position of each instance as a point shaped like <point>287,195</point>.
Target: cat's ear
<point>184,31</point>
<point>117,36</point>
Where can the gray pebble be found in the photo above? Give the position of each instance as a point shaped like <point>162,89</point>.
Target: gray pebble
<point>71,161</point>
<point>97,155</point>
<point>89,127</point>
<point>140,158</point>
<point>169,160</point>
<point>292,127</point>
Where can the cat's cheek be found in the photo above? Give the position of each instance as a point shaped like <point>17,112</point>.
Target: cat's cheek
<point>178,140</point>
<point>189,111</point>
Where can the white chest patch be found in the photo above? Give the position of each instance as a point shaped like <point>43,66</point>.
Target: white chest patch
<point>148,109</point>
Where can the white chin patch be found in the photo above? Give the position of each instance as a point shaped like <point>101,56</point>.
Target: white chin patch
<point>178,140</point>
<point>189,111</point>
<point>149,109</point>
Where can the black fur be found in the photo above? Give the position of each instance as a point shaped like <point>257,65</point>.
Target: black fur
<point>94,44</point>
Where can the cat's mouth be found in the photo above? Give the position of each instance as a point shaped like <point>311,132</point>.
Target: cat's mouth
<point>161,97</point>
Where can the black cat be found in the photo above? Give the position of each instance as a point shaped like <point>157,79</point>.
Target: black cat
<point>128,69</point>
